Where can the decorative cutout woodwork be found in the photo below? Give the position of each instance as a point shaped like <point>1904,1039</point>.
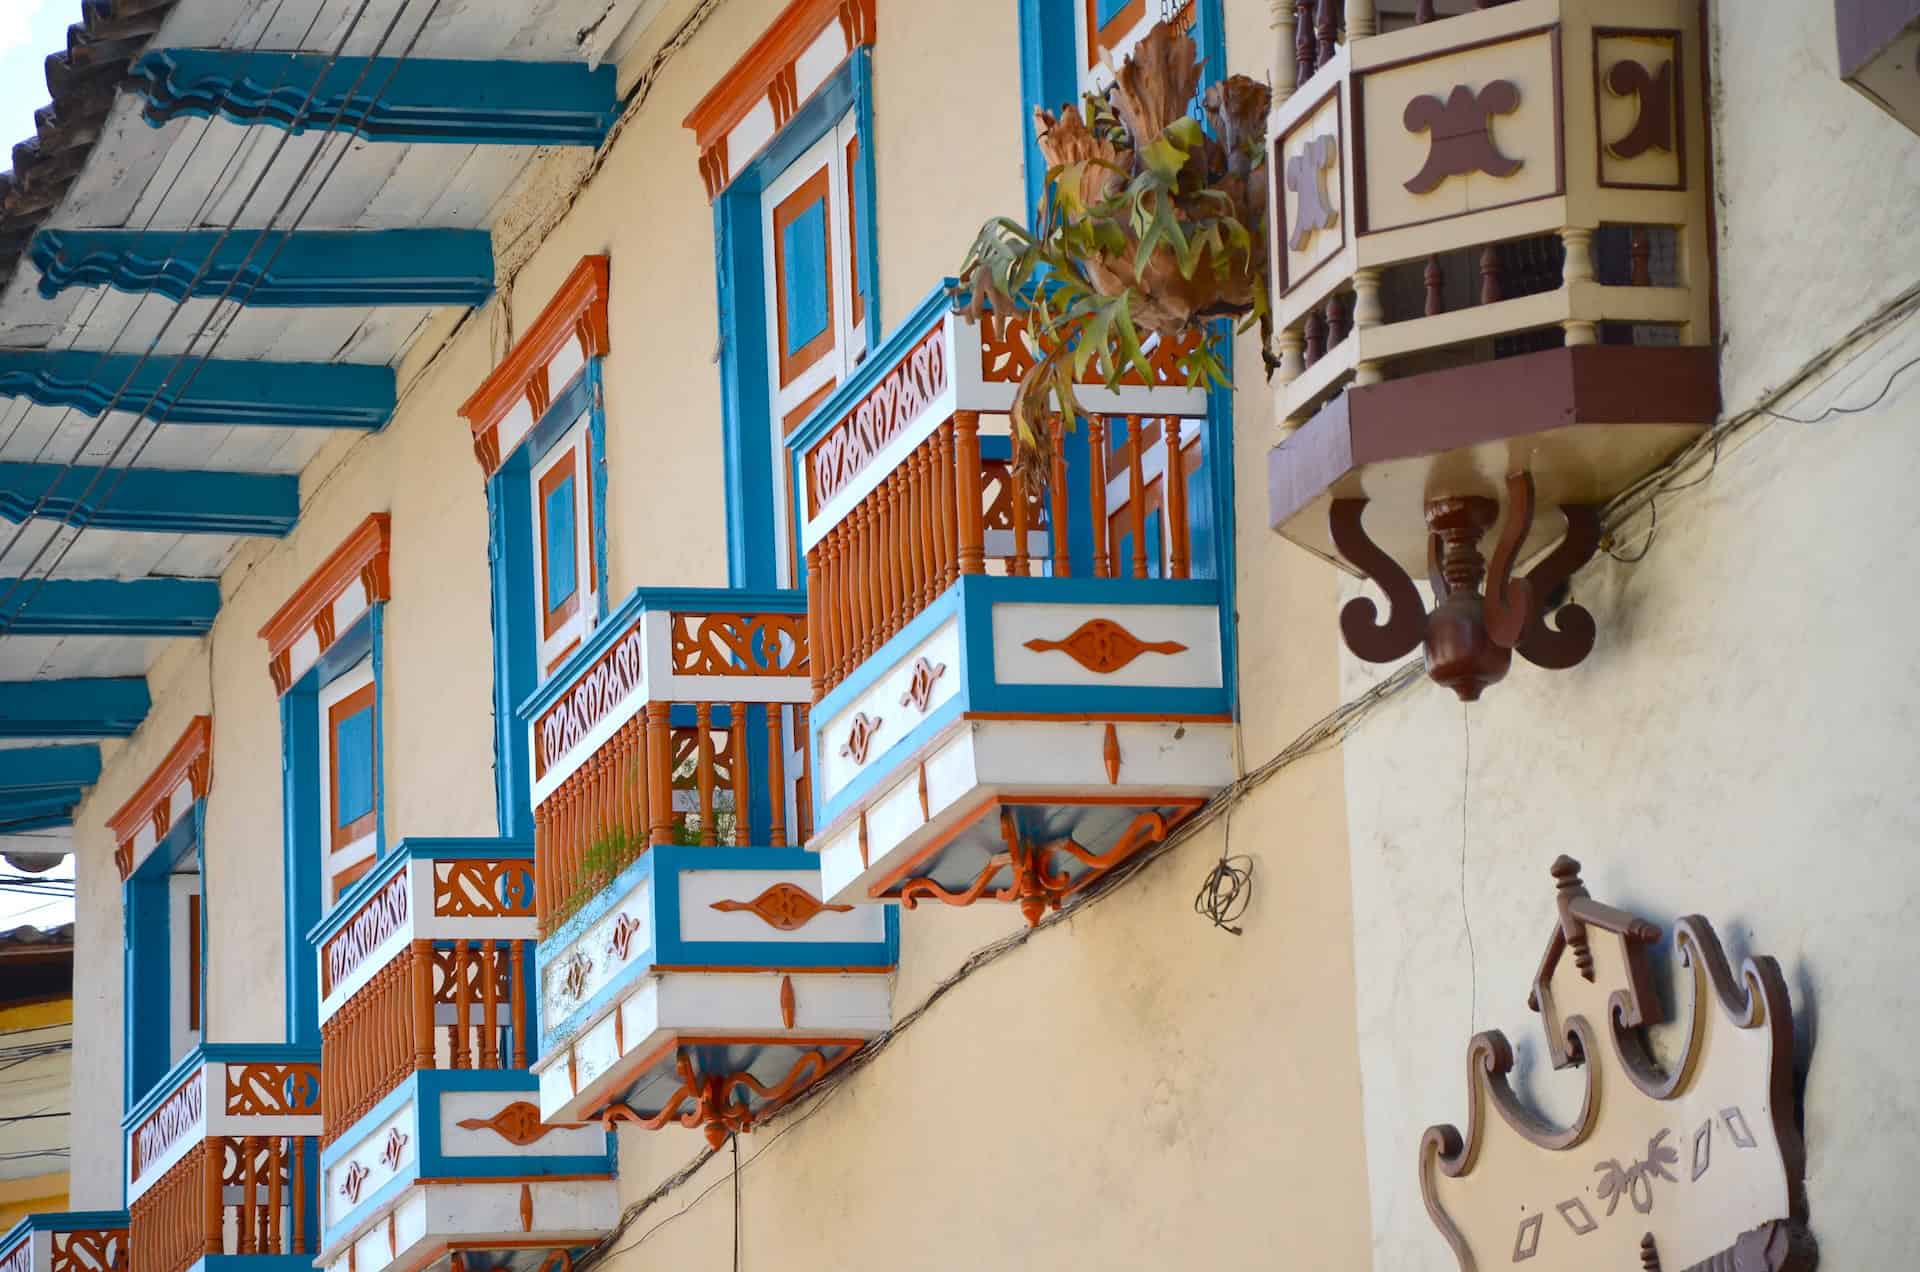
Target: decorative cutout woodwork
<point>579,968</point>
<point>353,1181</point>
<point>89,1250</point>
<point>518,1123</point>
<point>394,1149</point>
<point>620,940</point>
<point>1653,126</point>
<point>1306,177</point>
<point>1470,637</point>
<point>1033,882</point>
<point>786,1001</point>
<point>1007,354</point>
<point>598,691</point>
<point>1110,754</point>
<point>906,390</point>
<point>1103,646</point>
<point>496,889</point>
<point>270,1090</point>
<point>919,692</point>
<point>383,914</point>
<point>740,644</point>
<point>860,737</point>
<point>784,906</point>
<point>1461,133</point>
<point>1705,1154</point>
<point>720,1103</point>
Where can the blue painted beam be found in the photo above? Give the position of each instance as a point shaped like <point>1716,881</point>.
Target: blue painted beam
<point>108,607</point>
<point>307,268</point>
<point>151,499</point>
<point>217,391</point>
<point>411,100</point>
<point>110,708</point>
<point>48,771</point>
<point>20,816</point>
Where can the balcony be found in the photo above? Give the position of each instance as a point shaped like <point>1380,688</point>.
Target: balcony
<point>431,1145</point>
<point>71,1241</point>
<point>1492,261</point>
<point>688,971</point>
<point>1022,678</point>
<point>221,1162</point>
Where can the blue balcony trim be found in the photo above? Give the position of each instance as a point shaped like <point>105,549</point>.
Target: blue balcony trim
<point>920,320</point>
<point>216,391</point>
<point>385,99</point>
<point>60,1221</point>
<point>216,1052</point>
<point>300,811</point>
<point>108,607</point>
<point>49,770</point>
<point>662,864</point>
<point>151,499</point>
<point>640,600</point>
<point>413,848</point>
<point>423,1090</point>
<point>266,270</point>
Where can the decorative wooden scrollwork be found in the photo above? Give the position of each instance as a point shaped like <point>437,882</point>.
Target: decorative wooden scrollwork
<point>1470,635</point>
<point>1102,645</point>
<point>482,889</point>
<point>740,644</point>
<point>517,1123</point>
<point>715,1101</point>
<point>90,1250</point>
<point>920,689</point>
<point>785,906</point>
<point>268,1090</point>
<point>1033,882</point>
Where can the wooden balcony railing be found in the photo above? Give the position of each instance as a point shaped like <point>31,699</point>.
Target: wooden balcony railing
<point>227,1195</point>
<point>438,1005</point>
<point>957,504</point>
<point>682,721</point>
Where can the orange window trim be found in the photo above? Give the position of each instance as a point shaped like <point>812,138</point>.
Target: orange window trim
<point>553,620</point>
<point>578,307</point>
<point>1101,38</point>
<point>190,760</point>
<point>362,555</point>
<point>359,700</point>
<point>812,190</point>
<point>351,875</point>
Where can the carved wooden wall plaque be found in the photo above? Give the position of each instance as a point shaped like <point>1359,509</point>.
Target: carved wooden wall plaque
<point>1695,1166</point>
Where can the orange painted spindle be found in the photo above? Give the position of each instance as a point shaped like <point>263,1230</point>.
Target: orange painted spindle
<point>1179,551</point>
<point>1136,498</point>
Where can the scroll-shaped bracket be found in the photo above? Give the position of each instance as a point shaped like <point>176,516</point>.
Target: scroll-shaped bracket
<point>1510,601</point>
<point>1405,624</point>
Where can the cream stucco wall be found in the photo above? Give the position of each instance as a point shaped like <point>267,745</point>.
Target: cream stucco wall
<point>1741,742</point>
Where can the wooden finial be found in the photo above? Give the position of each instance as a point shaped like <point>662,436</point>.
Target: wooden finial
<point>1566,878</point>
<point>1649,1254</point>
<point>1435,281</point>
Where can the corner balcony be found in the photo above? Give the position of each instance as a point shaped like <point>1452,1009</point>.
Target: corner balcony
<point>688,971</point>
<point>1491,261</point>
<point>221,1161</point>
<point>433,1151</point>
<point>67,1241</point>
<point>1021,680</point>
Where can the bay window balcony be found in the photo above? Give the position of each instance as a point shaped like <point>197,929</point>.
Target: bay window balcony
<point>221,1162</point>
<point>67,1241</point>
<point>1023,666</point>
<point>688,971</point>
<point>1493,285</point>
<point>432,1142</point>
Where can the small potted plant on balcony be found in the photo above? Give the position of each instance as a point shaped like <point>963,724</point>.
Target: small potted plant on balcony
<point>1151,224</point>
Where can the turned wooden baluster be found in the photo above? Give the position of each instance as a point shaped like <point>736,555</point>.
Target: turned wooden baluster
<point>1435,281</point>
<point>943,483</point>
<point>918,528</point>
<point>1640,253</point>
<point>776,776</point>
<point>274,1169</point>
<point>1304,49</point>
<point>1017,502</point>
<point>659,773</point>
<point>245,1231</point>
<point>214,1164</point>
<point>973,555</point>
<point>542,873</point>
<point>1179,550</point>
<point>517,997</point>
<point>1057,495</point>
<point>1491,288</point>
<point>462,1007</point>
<point>1423,12</point>
<point>1097,494</point>
<point>422,968</point>
<point>297,1203</point>
<point>817,582</point>
<point>1324,32</point>
<point>703,769</point>
<point>489,1004</point>
<point>1339,320</point>
<point>737,761</point>
<point>872,568</point>
<point>1136,498</point>
<point>1315,329</point>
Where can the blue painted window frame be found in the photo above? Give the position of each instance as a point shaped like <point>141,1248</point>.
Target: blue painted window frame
<point>304,850</point>
<point>1050,78</point>
<point>516,638</point>
<point>147,967</point>
<point>746,398</point>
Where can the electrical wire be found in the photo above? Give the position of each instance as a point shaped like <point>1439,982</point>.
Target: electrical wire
<point>1225,892</point>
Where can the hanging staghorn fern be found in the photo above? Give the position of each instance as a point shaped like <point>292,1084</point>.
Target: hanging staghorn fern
<point>1150,225</point>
